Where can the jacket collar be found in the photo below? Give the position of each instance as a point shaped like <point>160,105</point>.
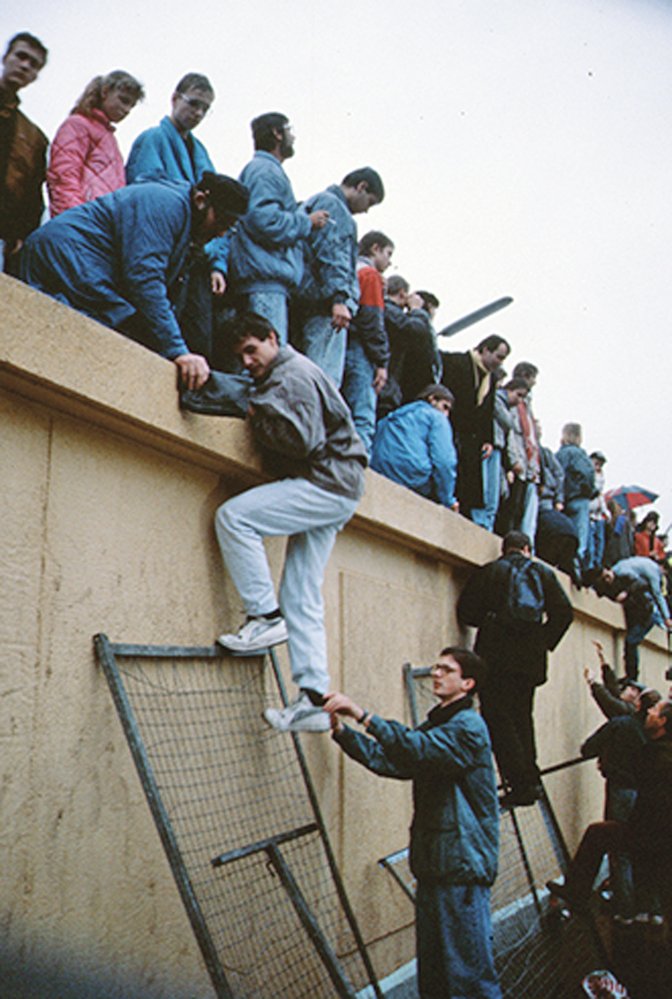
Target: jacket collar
<point>443,713</point>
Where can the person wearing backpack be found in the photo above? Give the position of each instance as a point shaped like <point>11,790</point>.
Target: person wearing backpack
<point>521,612</point>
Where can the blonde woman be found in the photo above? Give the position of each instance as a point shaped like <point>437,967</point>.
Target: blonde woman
<point>85,160</point>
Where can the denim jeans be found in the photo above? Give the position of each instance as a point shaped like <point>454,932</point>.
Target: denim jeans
<point>358,391</point>
<point>577,511</point>
<point>454,942</point>
<point>325,346</point>
<point>311,517</point>
<point>528,524</point>
<point>272,305</point>
<point>491,469</point>
<point>596,542</point>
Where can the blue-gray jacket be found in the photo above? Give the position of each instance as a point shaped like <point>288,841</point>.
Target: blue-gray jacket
<point>414,447</point>
<point>160,153</point>
<point>116,256</point>
<point>579,472</point>
<point>330,256</point>
<point>455,828</point>
<point>267,245</point>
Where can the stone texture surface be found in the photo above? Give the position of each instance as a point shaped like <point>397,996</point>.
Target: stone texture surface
<point>107,494</point>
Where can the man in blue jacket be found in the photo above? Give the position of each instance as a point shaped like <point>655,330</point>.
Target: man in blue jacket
<point>170,152</point>
<point>117,258</point>
<point>329,293</point>
<point>414,446</point>
<point>455,827</point>
<point>266,256</point>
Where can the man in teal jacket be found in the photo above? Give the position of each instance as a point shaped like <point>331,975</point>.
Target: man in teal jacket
<point>171,152</point>
<point>117,258</point>
<point>455,828</point>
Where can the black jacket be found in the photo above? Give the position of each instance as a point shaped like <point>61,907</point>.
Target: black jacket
<point>508,651</point>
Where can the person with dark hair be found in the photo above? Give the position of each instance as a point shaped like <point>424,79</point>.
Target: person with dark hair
<point>116,258</point>
<point>521,612</point>
<point>170,152</point>
<point>415,360</point>
<point>647,543</point>
<point>329,294</point>
<point>85,160</point>
<point>455,828</point>
<point>469,376</point>
<point>414,446</point>
<point>646,834</point>
<point>496,482</point>
<point>23,149</point>
<point>368,352</point>
<point>304,429</point>
<point>615,696</point>
<point>266,254</point>
<point>616,745</point>
<point>525,487</point>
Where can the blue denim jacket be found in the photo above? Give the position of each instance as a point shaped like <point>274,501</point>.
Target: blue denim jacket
<point>267,246</point>
<point>330,255</point>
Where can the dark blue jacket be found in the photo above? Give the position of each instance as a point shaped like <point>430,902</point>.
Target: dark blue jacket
<point>330,256</point>
<point>414,447</point>
<point>160,153</point>
<point>267,246</point>
<point>116,256</point>
<point>455,828</point>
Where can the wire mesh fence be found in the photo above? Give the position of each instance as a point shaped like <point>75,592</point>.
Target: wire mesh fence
<point>238,818</point>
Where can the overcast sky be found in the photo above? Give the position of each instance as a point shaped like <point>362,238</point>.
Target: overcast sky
<point>525,146</point>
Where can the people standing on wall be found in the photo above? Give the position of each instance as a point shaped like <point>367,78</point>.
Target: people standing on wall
<point>579,484</point>
<point>367,354</point>
<point>455,827</point>
<point>85,161</point>
<point>23,149</point>
<point>415,360</point>
<point>171,152</point>
<point>266,253</point>
<point>598,512</point>
<point>329,294</point>
<point>469,376</point>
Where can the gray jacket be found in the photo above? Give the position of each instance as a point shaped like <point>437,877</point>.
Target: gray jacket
<point>304,428</point>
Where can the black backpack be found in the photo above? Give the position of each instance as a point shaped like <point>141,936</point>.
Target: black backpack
<point>524,602</point>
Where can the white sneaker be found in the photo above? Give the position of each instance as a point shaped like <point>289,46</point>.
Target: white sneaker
<point>299,716</point>
<point>256,634</point>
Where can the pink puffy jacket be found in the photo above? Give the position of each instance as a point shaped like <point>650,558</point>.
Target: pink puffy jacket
<point>84,162</point>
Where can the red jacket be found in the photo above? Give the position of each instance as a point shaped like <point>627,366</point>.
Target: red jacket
<point>85,162</point>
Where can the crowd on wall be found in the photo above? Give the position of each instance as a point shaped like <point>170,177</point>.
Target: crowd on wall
<point>167,251</point>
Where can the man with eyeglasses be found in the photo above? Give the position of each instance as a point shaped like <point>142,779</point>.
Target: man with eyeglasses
<point>23,149</point>
<point>455,828</point>
<point>170,152</point>
<point>266,261</point>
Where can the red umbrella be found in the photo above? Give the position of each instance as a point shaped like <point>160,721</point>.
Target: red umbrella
<point>629,497</point>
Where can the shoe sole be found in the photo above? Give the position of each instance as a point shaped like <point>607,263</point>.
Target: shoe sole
<point>271,718</point>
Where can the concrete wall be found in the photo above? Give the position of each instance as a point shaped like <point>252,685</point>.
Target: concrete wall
<point>107,494</point>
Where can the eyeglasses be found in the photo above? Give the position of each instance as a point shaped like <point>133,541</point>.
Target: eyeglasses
<point>441,670</point>
<point>195,104</point>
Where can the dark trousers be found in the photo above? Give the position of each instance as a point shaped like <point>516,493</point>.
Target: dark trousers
<point>506,705</point>
<point>651,874</point>
<point>454,942</point>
